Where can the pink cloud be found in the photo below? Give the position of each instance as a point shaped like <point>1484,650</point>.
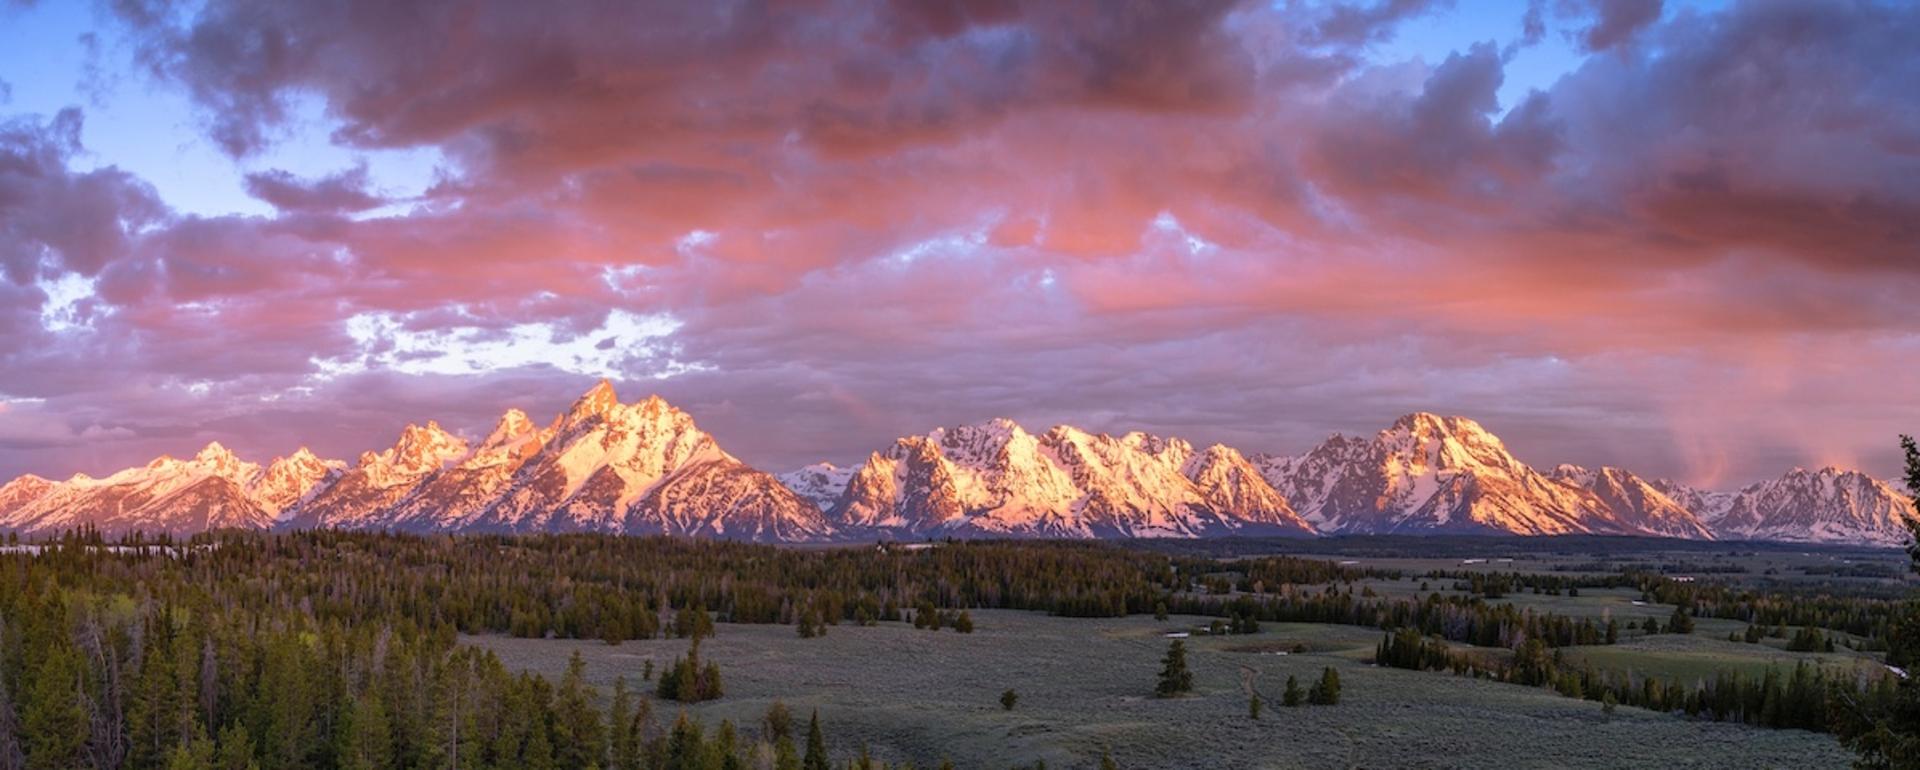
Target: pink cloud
<point>1221,220</point>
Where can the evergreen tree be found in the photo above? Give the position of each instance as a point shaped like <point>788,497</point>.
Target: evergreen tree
<point>1253,707</point>
<point>579,736</point>
<point>816,758</point>
<point>1325,692</point>
<point>235,749</point>
<point>1007,699</point>
<point>196,753</point>
<point>1293,696</point>
<point>53,726</point>
<point>620,740</point>
<point>365,736</point>
<point>778,723</point>
<point>1885,730</point>
<point>1681,622</point>
<point>1175,679</point>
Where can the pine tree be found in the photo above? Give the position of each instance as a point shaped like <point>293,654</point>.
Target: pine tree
<point>235,749</point>
<point>778,723</point>
<point>1325,692</point>
<point>816,758</point>
<point>1253,707</point>
<point>196,753</point>
<point>1174,676</point>
<point>53,726</point>
<point>1293,696</point>
<point>619,739</point>
<point>365,736</point>
<point>1681,622</point>
<point>1885,730</point>
<point>580,738</point>
<point>1007,699</point>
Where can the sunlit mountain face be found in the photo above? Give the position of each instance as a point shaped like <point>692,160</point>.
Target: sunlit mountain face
<point>1671,245</point>
<point>646,468</point>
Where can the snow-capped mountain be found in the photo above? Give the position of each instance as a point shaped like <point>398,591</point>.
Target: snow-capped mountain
<point>996,479</point>
<point>603,466</point>
<point>1635,504</point>
<point>1428,473</point>
<point>212,490</point>
<point>1828,505</point>
<point>639,468</point>
<point>365,495</point>
<point>292,480</point>
<point>819,483</point>
<point>1707,505</point>
<point>645,467</point>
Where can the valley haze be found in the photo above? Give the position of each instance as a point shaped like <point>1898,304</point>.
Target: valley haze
<point>646,468</point>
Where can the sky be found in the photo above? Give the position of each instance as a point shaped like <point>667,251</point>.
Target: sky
<point>1677,237</point>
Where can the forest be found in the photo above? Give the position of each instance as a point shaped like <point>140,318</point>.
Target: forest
<point>342,649</point>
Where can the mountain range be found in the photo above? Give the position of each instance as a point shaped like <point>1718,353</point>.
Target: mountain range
<point>646,468</point>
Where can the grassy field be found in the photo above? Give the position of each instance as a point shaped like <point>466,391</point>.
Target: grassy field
<point>1696,656</point>
<point>1085,688</point>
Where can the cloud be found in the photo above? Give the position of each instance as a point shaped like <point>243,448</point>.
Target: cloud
<point>55,219</point>
<point>852,220</point>
<point>1353,23</point>
<point>1617,21</point>
<point>344,192</point>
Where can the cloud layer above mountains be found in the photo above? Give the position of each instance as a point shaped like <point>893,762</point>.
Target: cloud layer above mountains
<point>818,225</point>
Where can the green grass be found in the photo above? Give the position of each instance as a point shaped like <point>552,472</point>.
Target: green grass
<point>1700,655</point>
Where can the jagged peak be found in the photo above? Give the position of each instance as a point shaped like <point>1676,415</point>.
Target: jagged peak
<point>419,446</point>
<point>1148,442</point>
<point>1430,424</point>
<point>214,451</point>
<point>415,436</point>
<point>598,401</point>
<point>512,424</point>
<point>979,442</point>
<point>1214,458</point>
<point>1572,471</point>
<point>997,427</point>
<point>302,457</point>
<point>1219,451</point>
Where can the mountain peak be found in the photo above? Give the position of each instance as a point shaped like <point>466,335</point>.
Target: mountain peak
<point>424,447</point>
<point>598,401</point>
<point>1430,424</point>
<point>512,423</point>
<point>215,458</point>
